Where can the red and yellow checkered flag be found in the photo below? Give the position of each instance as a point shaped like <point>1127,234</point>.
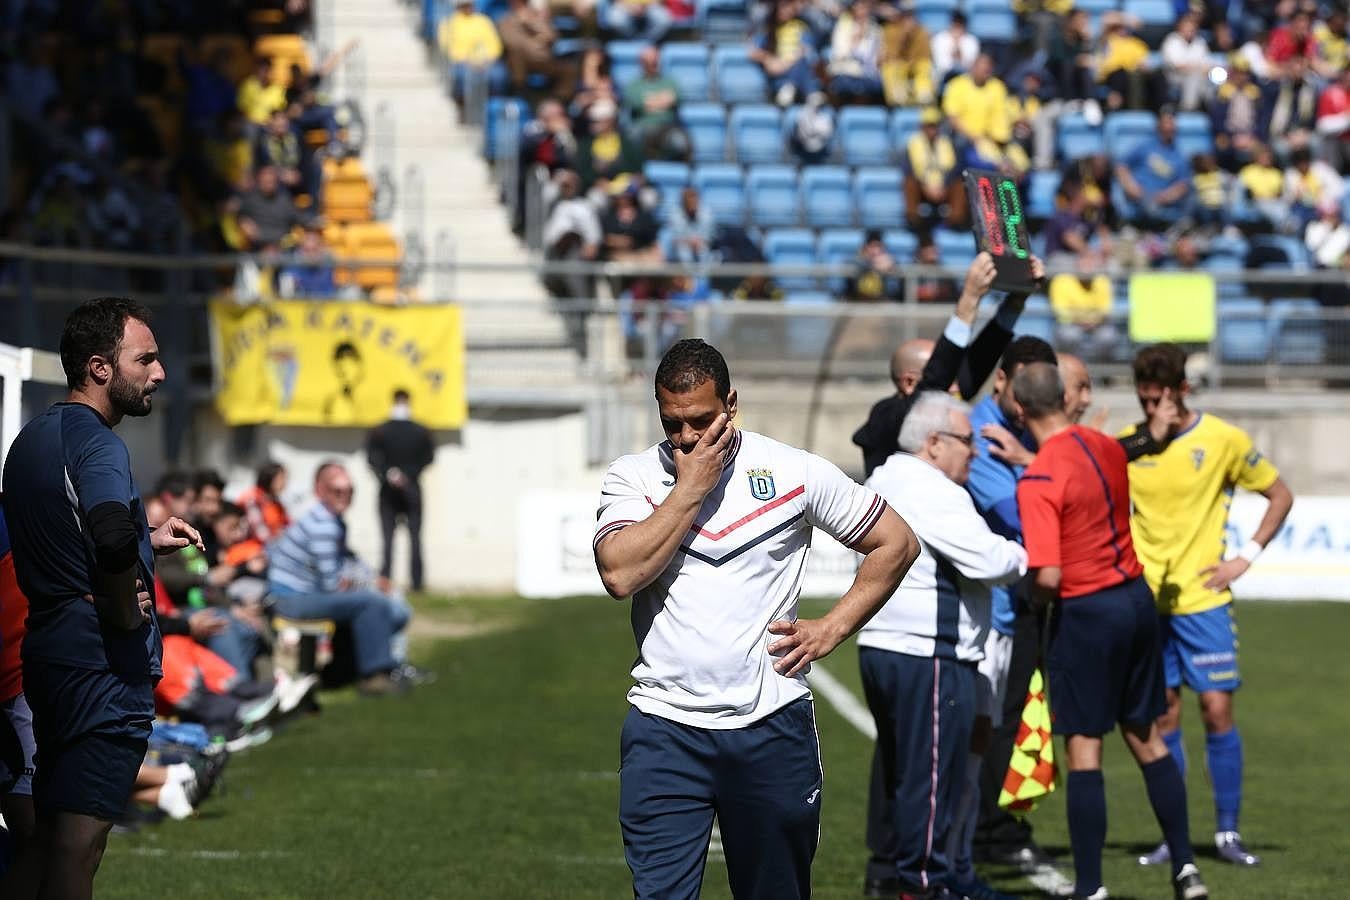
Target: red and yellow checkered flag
<point>1031,771</point>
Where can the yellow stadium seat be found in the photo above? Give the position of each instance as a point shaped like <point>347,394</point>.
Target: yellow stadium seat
<point>348,199</point>
<point>240,59</point>
<point>284,50</point>
<point>374,241</point>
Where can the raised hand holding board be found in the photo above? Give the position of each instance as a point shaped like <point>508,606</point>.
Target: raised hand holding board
<point>1000,229</point>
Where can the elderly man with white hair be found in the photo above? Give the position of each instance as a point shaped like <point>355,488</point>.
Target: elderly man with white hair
<point>919,654</point>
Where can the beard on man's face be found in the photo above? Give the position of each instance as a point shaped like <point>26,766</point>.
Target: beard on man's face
<point>127,398</point>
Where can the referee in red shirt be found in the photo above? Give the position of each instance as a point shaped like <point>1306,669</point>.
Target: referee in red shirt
<point>1104,660</point>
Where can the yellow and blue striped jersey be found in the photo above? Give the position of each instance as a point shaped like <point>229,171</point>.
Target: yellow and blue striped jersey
<point>1180,501</point>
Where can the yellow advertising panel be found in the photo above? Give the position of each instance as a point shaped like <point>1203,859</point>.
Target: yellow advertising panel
<point>1172,306</point>
<point>337,363</point>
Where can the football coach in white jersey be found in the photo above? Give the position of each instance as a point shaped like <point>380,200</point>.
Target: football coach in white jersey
<point>919,654</point>
<point>709,531</point>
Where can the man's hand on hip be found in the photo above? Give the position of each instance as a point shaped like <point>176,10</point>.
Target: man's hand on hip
<point>802,642</point>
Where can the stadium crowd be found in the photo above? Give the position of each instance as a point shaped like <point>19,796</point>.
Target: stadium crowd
<point>1207,135</point>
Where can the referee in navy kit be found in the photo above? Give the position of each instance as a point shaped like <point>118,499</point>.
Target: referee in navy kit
<point>1105,657</point>
<point>84,556</point>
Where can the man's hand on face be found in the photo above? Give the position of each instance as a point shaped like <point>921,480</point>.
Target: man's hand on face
<point>700,468</point>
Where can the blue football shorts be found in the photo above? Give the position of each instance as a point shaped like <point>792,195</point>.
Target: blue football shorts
<point>1200,650</point>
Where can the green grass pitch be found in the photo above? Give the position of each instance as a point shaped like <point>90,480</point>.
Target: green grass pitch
<point>499,780</point>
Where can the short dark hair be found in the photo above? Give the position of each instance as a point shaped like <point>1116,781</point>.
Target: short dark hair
<point>173,483</point>
<point>267,473</point>
<point>1025,350</point>
<point>230,509</point>
<point>208,478</point>
<point>1039,390</point>
<point>402,396</point>
<point>1160,364</point>
<point>691,362</point>
<point>95,328</point>
<point>959,18</point>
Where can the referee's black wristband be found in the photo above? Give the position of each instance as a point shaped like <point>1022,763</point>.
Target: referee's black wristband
<point>1140,443</point>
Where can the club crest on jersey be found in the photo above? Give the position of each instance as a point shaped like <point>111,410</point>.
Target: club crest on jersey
<point>1198,457</point>
<point>761,484</point>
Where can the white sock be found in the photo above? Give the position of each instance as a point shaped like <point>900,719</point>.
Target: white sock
<point>180,772</point>
<point>173,799</point>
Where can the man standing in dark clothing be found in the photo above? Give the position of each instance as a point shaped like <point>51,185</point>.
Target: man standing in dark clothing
<point>84,557</point>
<point>398,451</point>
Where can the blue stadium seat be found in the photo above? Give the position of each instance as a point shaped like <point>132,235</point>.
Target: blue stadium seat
<point>1095,9</point>
<point>1077,137</point>
<point>1037,319</point>
<point>688,66</point>
<point>879,197</point>
<point>1235,246</point>
<point>722,21</point>
<point>1243,334</point>
<point>1041,194</point>
<point>756,133</point>
<point>1193,134</point>
<point>838,245</point>
<point>773,196</point>
<point>739,80</point>
<point>720,186</point>
<point>1298,332</point>
<point>992,21</point>
<point>707,127</point>
<point>495,124</point>
<point>904,122</point>
<point>862,136</point>
<point>901,244</point>
<point>935,15</point>
<point>827,199</point>
<point>1156,18</point>
<point>623,62</point>
<point>669,178</point>
<point>1345,207</point>
<point>1294,250</point>
<point>1223,263</point>
<point>1125,130</point>
<point>955,248</point>
<point>792,246</point>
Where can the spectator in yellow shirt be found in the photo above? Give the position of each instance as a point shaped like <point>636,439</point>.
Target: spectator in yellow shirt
<point>906,61</point>
<point>1082,307</point>
<point>1123,68</point>
<point>1210,184</point>
<point>976,104</point>
<point>1264,183</point>
<point>260,94</point>
<point>470,42</point>
<point>932,178</point>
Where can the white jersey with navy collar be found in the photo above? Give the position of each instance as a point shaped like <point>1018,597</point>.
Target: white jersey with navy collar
<point>702,625</point>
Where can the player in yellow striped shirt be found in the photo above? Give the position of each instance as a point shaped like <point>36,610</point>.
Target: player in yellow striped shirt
<point>1179,523</point>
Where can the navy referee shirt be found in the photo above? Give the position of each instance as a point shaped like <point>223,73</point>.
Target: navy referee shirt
<point>62,465</point>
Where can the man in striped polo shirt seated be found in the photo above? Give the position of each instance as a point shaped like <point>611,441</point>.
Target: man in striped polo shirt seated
<point>919,655</point>
<point>308,579</point>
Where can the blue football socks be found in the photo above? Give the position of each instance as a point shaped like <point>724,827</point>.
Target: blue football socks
<point>1223,752</point>
<point>1087,828</point>
<point>1167,796</point>
<point>1174,746</point>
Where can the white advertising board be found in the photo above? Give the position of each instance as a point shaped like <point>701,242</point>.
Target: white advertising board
<point>1308,560</point>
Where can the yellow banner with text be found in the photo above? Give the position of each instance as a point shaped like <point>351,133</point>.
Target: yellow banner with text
<point>337,364</point>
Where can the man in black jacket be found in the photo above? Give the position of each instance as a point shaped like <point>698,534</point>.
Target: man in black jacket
<point>398,451</point>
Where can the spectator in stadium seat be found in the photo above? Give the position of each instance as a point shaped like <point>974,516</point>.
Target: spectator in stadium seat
<point>855,56</point>
<point>757,287</point>
<point>208,492</point>
<point>211,92</point>
<point>1186,62</point>
<point>1328,236</point>
<point>1124,69</point>
<point>1333,121</point>
<point>1069,58</point>
<point>1082,307</point>
<point>1293,110</point>
<point>652,101</point>
<point>605,153</point>
<point>876,276</point>
<point>906,59</point>
<point>1239,115</point>
<point>1156,175</point>
<point>1184,254</point>
<point>259,94</point>
<point>306,581</point>
<point>309,273</point>
<point>1070,233</point>
<point>932,178</point>
<point>528,37</point>
<point>630,231</point>
<point>919,675</point>
<point>954,50</point>
<point>692,228</point>
<point>1033,123</point>
<point>640,20</point>
<point>1307,183</point>
<point>929,288</point>
<point>976,104</point>
<point>1263,182</point>
<point>1332,59</point>
<point>1295,38</point>
<point>571,233</point>
<point>470,42</point>
<point>278,146</point>
<point>1213,191</point>
<point>548,140</point>
<point>264,511</point>
<point>114,220</point>
<point>786,50</point>
<point>267,213</point>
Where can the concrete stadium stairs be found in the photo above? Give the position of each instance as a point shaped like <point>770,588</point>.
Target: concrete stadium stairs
<point>515,339</point>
